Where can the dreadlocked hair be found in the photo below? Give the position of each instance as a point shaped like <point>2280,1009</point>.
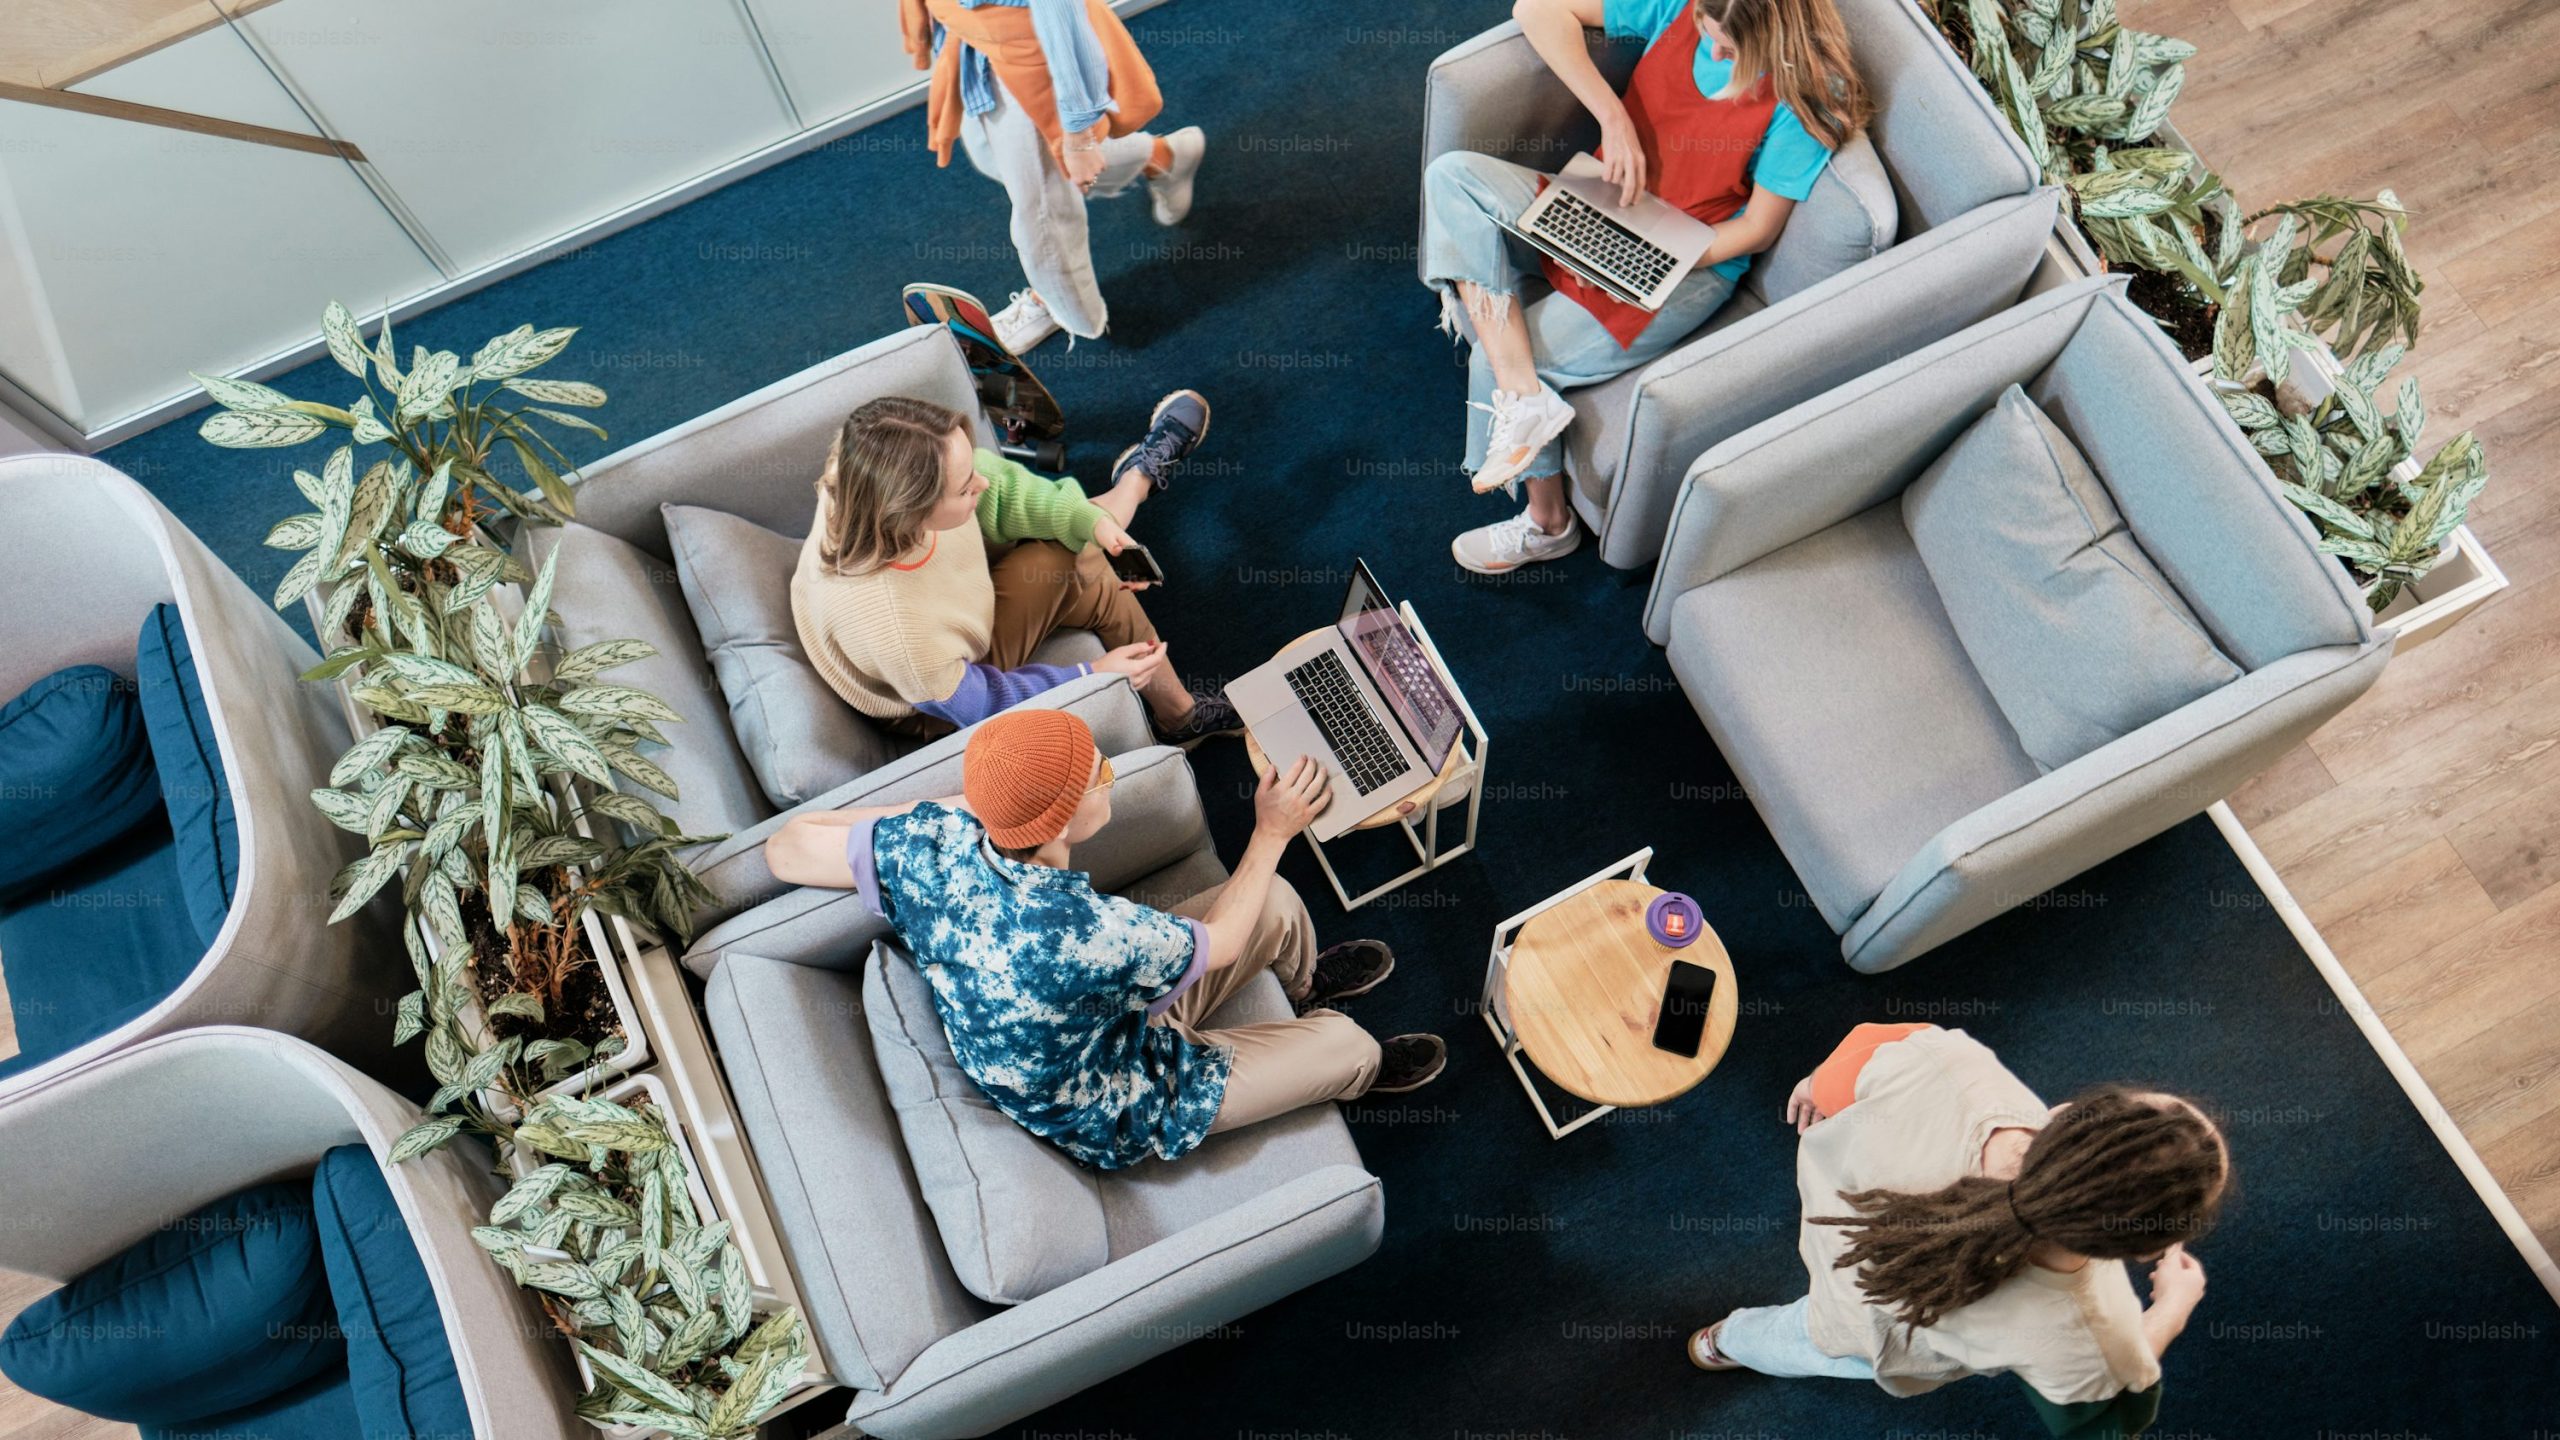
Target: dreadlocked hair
<point>2118,1174</point>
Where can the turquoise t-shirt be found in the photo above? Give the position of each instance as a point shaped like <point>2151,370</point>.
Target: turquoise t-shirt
<point>1789,159</point>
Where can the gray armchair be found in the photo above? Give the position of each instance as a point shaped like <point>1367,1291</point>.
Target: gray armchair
<point>1811,640</point>
<point>134,1139</point>
<point>756,458</point>
<point>86,557</point>
<point>1246,1219</point>
<point>1940,191</point>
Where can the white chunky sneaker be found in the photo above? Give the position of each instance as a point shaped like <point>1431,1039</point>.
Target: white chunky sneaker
<point>1171,191</point>
<point>1509,544</point>
<point>1024,323</point>
<point>1522,426</point>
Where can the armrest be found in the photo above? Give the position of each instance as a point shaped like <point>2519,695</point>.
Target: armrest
<point>2105,802</point>
<point>1156,820</point>
<point>1137,1307</point>
<point>1494,94</point>
<point>735,868</point>
<point>1915,294</point>
<point>1813,466</point>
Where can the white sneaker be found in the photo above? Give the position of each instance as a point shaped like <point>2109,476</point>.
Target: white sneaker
<point>1024,323</point>
<point>1522,426</point>
<point>1171,191</point>
<point>1509,544</point>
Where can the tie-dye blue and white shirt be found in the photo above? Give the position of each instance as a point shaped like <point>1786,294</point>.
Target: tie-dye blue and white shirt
<point>1046,987</point>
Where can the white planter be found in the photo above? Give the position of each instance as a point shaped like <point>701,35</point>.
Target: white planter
<point>2460,581</point>
<point>656,1090</point>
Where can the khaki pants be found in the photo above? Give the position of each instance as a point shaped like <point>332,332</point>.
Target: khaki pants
<point>1042,588</point>
<point>1280,1065</point>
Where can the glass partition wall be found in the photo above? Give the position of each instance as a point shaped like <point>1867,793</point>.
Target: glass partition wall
<point>185,183</point>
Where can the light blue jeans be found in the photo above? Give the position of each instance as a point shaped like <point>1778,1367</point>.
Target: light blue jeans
<point>1772,1339</point>
<point>1465,198</point>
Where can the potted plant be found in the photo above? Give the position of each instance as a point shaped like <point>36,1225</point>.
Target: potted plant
<point>463,776</point>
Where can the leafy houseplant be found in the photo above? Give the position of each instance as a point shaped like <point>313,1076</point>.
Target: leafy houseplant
<point>657,1303</point>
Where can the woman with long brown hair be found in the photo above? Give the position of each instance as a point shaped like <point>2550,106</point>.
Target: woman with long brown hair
<point>934,571</point>
<point>1955,1225</point>
<point>1731,115</point>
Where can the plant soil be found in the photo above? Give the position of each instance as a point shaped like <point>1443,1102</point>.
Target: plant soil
<point>584,1012</point>
<point>2169,299</point>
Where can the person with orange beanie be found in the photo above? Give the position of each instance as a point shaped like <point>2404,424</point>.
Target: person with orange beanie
<point>1089,1019</point>
<point>1050,99</point>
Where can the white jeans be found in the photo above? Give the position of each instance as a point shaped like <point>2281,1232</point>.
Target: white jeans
<point>1048,211</point>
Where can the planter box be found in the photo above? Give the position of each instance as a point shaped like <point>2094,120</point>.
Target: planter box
<point>656,1090</point>
<point>2461,580</point>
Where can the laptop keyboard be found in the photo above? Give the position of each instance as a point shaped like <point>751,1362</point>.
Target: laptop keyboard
<point>1362,746</point>
<point>1604,244</point>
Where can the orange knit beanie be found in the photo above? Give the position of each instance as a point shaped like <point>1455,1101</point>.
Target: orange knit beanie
<point>1024,774</point>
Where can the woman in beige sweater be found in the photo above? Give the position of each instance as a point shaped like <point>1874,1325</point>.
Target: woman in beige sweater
<point>934,570</point>
<point>1957,1225</point>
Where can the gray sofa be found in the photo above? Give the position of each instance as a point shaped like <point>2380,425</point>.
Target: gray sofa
<point>756,458</point>
<point>1191,1246</point>
<point>1940,193</point>
<point>86,557</point>
<point>135,1138</point>
<point>1810,637</point>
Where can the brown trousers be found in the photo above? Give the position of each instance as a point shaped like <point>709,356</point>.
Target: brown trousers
<point>1042,587</point>
<point>1280,1065</point>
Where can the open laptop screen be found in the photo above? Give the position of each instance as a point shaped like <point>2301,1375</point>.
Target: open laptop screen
<point>1397,666</point>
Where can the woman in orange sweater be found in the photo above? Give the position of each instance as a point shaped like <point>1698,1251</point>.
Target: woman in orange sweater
<point>1957,1225</point>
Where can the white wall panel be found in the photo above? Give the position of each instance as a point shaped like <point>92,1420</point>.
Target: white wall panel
<point>835,56</point>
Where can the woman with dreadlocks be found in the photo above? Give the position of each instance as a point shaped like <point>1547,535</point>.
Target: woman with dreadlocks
<point>1955,1225</point>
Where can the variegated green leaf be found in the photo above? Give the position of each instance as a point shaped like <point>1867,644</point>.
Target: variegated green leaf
<point>425,1136</point>
<point>558,392</point>
<point>641,771</point>
<point>518,351</point>
<point>366,877</point>
<point>259,429</point>
<point>563,1278</point>
<point>523,1004</point>
<point>429,381</point>
<point>410,1020</point>
<point>345,338</point>
<point>295,532</point>
<point>588,661</point>
<point>536,1187</point>
<point>619,702</point>
<point>565,742</point>
<point>298,581</point>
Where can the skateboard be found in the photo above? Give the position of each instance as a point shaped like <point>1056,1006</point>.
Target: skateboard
<point>1029,425</point>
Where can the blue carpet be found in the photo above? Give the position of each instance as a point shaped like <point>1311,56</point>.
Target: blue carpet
<point>1530,1288</point>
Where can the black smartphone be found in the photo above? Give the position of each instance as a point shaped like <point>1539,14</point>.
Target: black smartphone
<point>1137,563</point>
<point>1683,1021</point>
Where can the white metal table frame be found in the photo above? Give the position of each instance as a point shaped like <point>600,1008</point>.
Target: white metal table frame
<point>1496,1004</point>
<point>1422,828</point>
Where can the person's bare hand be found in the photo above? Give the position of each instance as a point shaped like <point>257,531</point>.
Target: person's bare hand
<point>1141,662</point>
<point>1082,161</point>
<point>1287,802</point>
<point>1801,1111</point>
<point>1113,538</point>
<point>2177,1281</point>
<point>1624,165</point>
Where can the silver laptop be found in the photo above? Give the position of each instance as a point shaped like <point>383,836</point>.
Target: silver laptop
<point>1639,253</point>
<point>1359,697</point>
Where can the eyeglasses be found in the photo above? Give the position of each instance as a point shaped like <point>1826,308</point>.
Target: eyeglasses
<point>1103,779</point>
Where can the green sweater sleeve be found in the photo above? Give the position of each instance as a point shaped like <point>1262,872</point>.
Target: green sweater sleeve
<point>1019,505</point>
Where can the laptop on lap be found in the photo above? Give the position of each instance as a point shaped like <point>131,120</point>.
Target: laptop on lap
<point>1639,253</point>
<point>1361,699</point>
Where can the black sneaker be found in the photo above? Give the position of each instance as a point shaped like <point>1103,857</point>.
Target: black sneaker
<point>1409,1062</point>
<point>1353,967</point>
<point>1210,715</point>
<point>1180,423</point>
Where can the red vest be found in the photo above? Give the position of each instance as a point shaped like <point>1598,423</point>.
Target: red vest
<point>1705,168</point>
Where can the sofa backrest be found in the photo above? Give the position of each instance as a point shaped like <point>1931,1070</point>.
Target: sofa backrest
<point>1947,147</point>
<point>2195,493</point>
<point>759,455</point>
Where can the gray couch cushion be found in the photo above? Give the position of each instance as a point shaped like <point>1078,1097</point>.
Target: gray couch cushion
<point>609,589</point>
<point>1848,219</point>
<point>801,738</point>
<point>1018,1217</point>
<point>2074,631</point>
<point>1832,682</point>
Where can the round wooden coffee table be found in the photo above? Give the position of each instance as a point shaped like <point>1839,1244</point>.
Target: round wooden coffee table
<point>1581,987</point>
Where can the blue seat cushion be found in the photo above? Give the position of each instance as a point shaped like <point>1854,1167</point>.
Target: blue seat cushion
<point>320,1408</point>
<point>191,779</point>
<point>75,773</point>
<point>220,1309</point>
<point>403,1370</point>
<point>104,941</point>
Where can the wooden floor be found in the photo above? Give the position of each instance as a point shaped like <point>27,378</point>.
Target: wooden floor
<point>2421,829</point>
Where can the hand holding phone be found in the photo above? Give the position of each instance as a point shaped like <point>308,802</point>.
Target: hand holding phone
<point>1136,563</point>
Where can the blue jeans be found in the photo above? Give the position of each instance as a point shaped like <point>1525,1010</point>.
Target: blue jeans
<point>1772,1340</point>
<point>1466,197</point>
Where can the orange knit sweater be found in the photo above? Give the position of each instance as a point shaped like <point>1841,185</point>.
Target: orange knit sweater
<point>1004,35</point>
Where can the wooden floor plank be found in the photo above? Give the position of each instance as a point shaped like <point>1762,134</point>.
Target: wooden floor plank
<point>2470,980</point>
<point>2295,777</point>
<point>2401,911</point>
<point>2505,1078</point>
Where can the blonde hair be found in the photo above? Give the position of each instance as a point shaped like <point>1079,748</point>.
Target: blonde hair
<point>882,481</point>
<point>1803,50</point>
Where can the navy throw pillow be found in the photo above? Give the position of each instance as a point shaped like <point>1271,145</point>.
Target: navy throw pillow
<point>75,773</point>
<point>405,1381</point>
<point>216,1311</point>
<point>191,780</point>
